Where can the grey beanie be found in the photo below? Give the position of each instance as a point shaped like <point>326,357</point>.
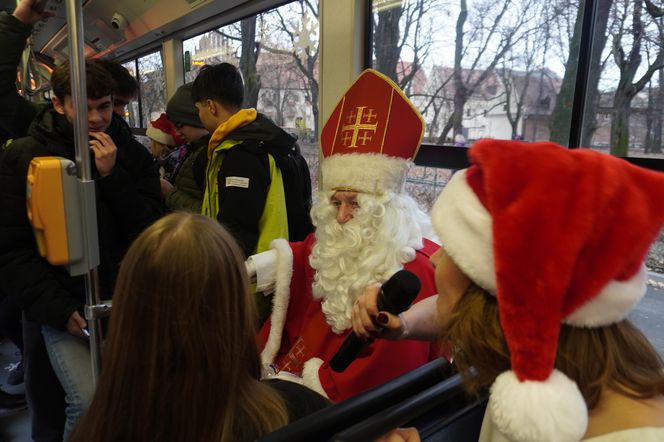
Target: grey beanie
<point>181,108</point>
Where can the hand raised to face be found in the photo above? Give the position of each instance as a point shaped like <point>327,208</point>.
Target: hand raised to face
<point>105,152</point>
<point>31,11</point>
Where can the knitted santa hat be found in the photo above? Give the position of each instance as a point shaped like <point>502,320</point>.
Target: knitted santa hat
<point>371,137</point>
<point>558,236</point>
<point>163,131</point>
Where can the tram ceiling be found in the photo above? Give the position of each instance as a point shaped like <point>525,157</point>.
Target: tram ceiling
<point>116,27</point>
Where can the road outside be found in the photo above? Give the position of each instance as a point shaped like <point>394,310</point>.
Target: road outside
<point>649,313</point>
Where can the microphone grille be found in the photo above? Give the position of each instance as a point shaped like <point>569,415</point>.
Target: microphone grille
<point>399,292</point>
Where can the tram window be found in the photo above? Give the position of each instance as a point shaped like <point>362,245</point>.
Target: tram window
<point>151,81</point>
<point>149,70</point>
<point>132,114</point>
<point>501,77</point>
<point>655,259</point>
<point>425,183</point>
<point>283,83</point>
<point>623,114</point>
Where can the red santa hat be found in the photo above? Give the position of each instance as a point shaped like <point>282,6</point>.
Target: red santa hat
<point>371,137</point>
<point>163,131</point>
<point>559,236</point>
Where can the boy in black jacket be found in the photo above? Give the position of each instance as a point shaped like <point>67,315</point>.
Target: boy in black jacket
<point>128,199</point>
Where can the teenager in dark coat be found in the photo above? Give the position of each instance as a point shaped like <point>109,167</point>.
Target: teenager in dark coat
<point>128,199</point>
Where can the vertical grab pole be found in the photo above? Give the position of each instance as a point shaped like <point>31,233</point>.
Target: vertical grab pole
<point>84,168</point>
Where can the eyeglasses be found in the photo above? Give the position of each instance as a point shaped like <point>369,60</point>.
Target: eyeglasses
<point>178,125</point>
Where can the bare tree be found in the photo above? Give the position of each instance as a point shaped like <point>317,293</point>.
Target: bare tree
<point>300,31</point>
<point>653,143</point>
<point>651,112</point>
<point>562,112</point>
<point>249,52</point>
<point>517,82</point>
<point>516,87</point>
<point>658,108</point>
<point>406,26</point>
<point>488,41</point>
<point>244,33</point>
<point>284,33</point>
<point>629,64</point>
<point>284,80</point>
<point>570,46</point>
<point>151,79</point>
<point>387,40</point>
<point>435,100</point>
<point>650,118</point>
<point>600,37</point>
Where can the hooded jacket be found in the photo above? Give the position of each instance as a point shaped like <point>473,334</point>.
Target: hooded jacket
<point>128,200</point>
<point>254,171</point>
<point>189,181</point>
<point>16,113</point>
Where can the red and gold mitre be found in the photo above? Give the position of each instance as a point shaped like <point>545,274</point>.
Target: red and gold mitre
<point>371,137</point>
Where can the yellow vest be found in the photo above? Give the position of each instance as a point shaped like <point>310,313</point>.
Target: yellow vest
<point>274,220</point>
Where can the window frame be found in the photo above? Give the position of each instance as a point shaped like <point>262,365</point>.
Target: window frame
<point>454,157</point>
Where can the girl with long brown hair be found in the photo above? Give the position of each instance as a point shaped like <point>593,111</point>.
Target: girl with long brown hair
<point>181,360</point>
<point>542,261</point>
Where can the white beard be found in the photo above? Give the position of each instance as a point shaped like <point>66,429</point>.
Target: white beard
<point>383,235</point>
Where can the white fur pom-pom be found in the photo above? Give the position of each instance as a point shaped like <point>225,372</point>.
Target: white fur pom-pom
<point>529,411</point>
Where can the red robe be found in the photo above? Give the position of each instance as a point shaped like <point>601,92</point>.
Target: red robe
<point>307,335</point>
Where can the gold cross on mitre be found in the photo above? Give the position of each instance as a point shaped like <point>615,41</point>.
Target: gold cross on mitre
<point>361,124</point>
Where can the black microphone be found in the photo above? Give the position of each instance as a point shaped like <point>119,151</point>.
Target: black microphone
<point>395,296</point>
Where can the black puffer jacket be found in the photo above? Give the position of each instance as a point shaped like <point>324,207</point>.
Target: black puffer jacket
<point>128,200</point>
<point>16,113</point>
<point>249,159</point>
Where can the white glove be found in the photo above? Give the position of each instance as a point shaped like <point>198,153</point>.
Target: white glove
<point>262,270</point>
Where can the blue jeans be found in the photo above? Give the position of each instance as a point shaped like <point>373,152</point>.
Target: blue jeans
<point>46,398</point>
<point>70,357</point>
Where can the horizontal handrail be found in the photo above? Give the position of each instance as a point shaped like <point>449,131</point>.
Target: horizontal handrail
<point>331,420</point>
<point>403,412</point>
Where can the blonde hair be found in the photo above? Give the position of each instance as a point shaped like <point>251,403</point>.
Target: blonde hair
<point>181,361</point>
<point>617,356</point>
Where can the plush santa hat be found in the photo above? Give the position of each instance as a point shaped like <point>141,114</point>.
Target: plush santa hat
<point>559,236</point>
<point>371,137</point>
<point>163,131</point>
